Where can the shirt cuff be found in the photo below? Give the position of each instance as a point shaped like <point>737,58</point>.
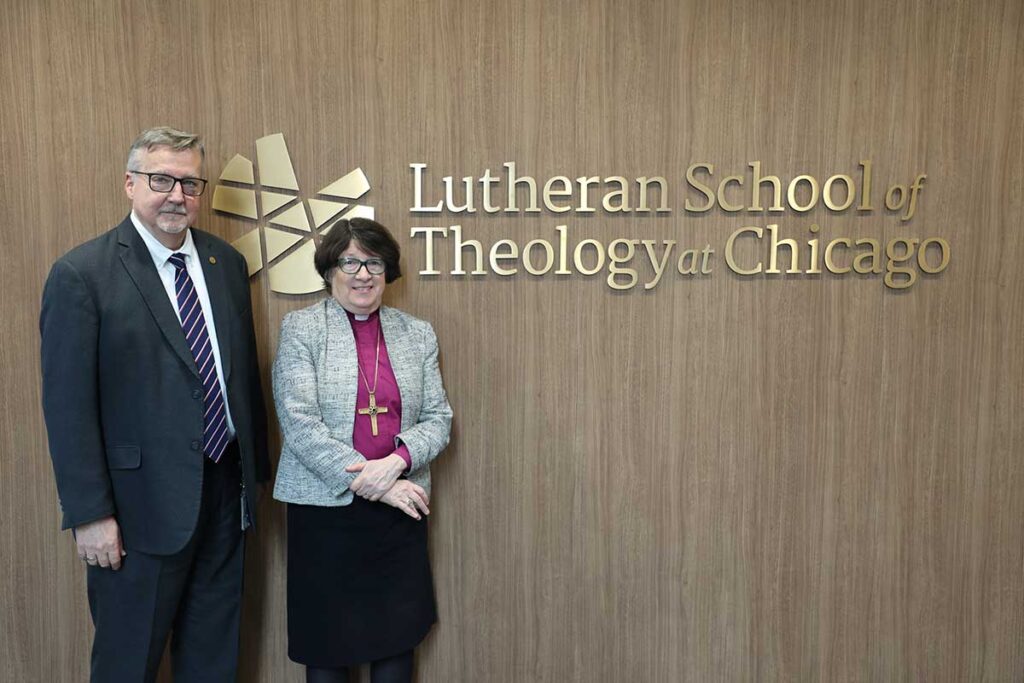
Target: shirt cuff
<point>403,452</point>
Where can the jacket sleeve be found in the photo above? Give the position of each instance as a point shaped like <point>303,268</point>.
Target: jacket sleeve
<point>429,435</point>
<point>69,330</point>
<point>258,409</point>
<point>303,431</point>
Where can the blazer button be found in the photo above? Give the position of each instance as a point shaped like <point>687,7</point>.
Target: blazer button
<point>196,445</point>
<point>196,393</point>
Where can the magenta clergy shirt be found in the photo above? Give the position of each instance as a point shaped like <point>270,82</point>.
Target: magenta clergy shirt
<point>388,396</point>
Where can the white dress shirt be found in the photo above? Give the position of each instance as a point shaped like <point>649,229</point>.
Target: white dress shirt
<point>161,259</point>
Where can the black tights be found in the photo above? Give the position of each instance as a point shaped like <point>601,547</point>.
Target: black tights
<point>397,669</point>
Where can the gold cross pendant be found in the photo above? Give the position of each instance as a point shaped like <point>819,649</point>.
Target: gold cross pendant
<point>373,410</point>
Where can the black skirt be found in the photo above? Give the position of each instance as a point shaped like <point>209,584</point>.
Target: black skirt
<point>359,583</point>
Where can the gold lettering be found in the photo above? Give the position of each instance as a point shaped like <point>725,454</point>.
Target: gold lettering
<point>705,265</point>
<point>513,185</point>
<point>865,197</point>
<point>614,261</point>
<point>417,190</point>
<point>585,183</point>
<point>449,192</point>
<point>692,181</point>
<point>895,197</point>
<point>474,245</point>
<point>656,263</point>
<point>915,189</point>
<point>874,256</point>
<point>850,193</point>
<point>815,266</point>
<point>829,262</point>
<point>691,256</point>
<point>577,256</point>
<point>755,204</point>
<point>429,248</point>
<point>622,194</point>
<point>894,259</point>
<point>662,184</point>
<point>563,250</point>
<point>791,193</point>
<point>497,255</point>
<point>486,181</point>
<point>549,252</point>
<point>726,206</point>
<point>774,249</point>
<point>550,193</point>
<point>730,261</point>
<point>944,251</point>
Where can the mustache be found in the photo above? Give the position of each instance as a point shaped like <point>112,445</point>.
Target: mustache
<point>178,210</point>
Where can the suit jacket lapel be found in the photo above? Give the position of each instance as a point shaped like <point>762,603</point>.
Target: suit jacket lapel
<point>139,264</point>
<point>341,359</point>
<point>213,262</point>
<point>402,354</point>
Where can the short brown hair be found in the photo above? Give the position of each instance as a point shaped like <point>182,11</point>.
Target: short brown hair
<point>371,236</point>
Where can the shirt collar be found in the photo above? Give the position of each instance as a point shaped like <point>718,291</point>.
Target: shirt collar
<point>159,252</point>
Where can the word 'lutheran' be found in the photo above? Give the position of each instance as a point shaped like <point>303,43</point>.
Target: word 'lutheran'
<point>733,193</point>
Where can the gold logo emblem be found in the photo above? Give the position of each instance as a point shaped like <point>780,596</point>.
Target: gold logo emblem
<point>287,226</point>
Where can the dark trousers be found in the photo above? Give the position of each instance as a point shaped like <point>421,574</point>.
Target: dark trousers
<point>194,596</point>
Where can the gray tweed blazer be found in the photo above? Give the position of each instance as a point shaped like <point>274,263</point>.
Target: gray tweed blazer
<point>315,380</point>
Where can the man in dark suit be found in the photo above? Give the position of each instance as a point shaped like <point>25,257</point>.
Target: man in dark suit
<point>156,421</point>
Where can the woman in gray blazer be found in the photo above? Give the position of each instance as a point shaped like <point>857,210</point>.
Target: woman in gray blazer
<point>363,412</point>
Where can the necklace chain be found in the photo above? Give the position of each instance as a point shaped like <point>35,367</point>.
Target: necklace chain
<point>376,366</point>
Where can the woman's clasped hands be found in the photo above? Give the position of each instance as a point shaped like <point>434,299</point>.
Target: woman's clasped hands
<point>378,481</point>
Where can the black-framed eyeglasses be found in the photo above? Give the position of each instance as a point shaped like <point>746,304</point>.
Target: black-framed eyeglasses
<point>351,265</point>
<point>161,182</point>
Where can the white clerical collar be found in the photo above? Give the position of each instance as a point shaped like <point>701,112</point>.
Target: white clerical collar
<point>158,251</point>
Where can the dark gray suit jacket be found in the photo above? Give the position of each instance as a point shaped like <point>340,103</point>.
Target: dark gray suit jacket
<point>122,396</point>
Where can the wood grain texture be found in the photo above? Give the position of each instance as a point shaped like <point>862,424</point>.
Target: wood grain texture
<point>771,479</point>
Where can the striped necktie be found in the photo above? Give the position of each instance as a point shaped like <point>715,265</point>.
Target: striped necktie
<point>215,423</point>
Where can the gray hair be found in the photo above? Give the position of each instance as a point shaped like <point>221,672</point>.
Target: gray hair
<point>164,136</point>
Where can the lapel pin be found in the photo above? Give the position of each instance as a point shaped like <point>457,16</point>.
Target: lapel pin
<point>213,259</point>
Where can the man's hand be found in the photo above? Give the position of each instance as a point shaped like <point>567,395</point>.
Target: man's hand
<point>376,476</point>
<point>99,543</point>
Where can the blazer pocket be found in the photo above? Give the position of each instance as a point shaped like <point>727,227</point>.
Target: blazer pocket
<point>124,457</point>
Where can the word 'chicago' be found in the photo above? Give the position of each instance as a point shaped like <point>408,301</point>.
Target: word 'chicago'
<point>509,192</point>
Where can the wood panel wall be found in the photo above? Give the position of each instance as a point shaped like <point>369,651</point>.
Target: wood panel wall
<point>774,478</point>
